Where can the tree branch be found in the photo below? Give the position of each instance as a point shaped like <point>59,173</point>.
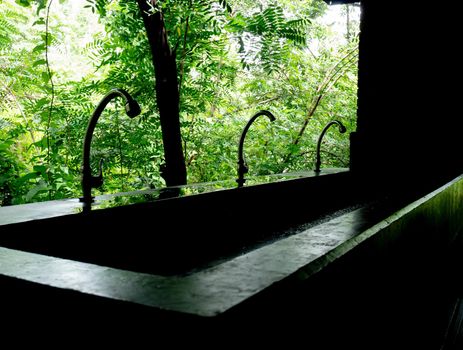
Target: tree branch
<point>333,75</point>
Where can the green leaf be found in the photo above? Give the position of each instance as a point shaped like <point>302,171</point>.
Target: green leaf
<point>44,116</point>
<point>29,176</point>
<point>45,77</point>
<point>5,145</point>
<point>39,62</point>
<point>42,102</point>
<point>40,5</point>
<point>40,21</point>
<point>42,169</point>
<point>25,3</point>
<point>42,143</point>
<point>39,48</point>
<point>41,187</point>
<point>47,38</point>
<point>47,88</point>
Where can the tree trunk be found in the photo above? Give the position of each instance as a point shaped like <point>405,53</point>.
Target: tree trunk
<point>167,93</point>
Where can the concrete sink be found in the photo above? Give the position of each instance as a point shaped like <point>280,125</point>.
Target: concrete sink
<point>178,235</point>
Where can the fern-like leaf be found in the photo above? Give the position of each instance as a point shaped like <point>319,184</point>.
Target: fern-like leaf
<point>97,6</point>
<point>271,31</point>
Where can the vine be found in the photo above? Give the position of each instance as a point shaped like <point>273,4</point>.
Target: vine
<point>52,85</point>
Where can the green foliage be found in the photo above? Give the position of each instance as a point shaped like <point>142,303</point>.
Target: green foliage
<point>40,4</point>
<point>234,57</point>
<point>264,36</point>
<point>9,168</point>
<point>97,6</point>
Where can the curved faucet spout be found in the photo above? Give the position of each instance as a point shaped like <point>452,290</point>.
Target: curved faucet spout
<point>342,130</point>
<point>242,166</point>
<point>132,109</point>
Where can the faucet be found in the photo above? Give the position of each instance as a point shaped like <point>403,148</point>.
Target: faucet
<point>132,109</point>
<point>242,166</point>
<point>342,130</point>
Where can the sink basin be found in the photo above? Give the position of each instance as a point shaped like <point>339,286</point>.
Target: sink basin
<point>176,236</point>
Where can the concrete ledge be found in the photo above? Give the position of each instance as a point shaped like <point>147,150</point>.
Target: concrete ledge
<point>213,291</point>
